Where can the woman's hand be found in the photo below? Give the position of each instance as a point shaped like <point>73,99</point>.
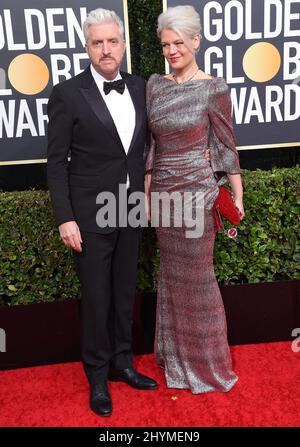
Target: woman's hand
<point>237,189</point>
<point>207,154</point>
<point>239,204</point>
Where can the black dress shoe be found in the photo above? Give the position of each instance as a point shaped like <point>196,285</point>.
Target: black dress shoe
<point>132,378</point>
<point>100,402</point>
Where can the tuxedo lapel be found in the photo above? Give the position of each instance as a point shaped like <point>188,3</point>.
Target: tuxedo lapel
<point>94,99</point>
<point>138,101</point>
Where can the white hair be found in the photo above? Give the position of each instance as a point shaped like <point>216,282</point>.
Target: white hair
<point>183,20</point>
<point>100,16</point>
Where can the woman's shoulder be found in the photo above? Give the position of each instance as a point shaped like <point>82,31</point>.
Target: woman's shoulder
<point>218,85</point>
<point>154,80</point>
<point>219,94</point>
<point>154,77</point>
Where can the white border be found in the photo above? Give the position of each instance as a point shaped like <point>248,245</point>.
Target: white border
<point>128,60</point>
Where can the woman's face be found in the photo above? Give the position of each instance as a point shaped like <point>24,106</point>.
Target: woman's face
<point>178,54</point>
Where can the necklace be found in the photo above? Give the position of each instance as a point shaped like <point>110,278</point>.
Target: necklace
<point>187,80</point>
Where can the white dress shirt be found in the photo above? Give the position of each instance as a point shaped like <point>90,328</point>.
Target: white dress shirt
<point>121,109</point>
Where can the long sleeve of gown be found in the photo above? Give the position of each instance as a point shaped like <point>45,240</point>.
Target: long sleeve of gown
<point>149,152</point>
<point>224,157</point>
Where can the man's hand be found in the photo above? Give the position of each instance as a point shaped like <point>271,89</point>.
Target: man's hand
<point>207,154</point>
<point>70,234</point>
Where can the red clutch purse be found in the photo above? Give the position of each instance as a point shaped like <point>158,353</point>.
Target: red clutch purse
<point>224,206</point>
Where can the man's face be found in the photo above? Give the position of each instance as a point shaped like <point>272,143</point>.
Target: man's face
<point>105,48</point>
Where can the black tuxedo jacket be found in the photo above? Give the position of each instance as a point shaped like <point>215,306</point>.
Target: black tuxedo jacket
<point>81,126</point>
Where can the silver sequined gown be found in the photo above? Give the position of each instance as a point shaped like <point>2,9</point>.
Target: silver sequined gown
<point>191,333</point>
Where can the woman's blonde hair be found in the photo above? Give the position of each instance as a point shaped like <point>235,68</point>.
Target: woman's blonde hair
<point>183,20</point>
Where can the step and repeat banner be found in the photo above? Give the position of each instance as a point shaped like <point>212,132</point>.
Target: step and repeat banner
<point>41,44</point>
<point>255,46</point>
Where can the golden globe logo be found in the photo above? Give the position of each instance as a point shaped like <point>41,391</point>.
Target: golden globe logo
<point>254,62</point>
<point>28,74</point>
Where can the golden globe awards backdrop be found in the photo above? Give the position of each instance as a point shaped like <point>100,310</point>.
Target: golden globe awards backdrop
<point>255,46</point>
<point>41,44</point>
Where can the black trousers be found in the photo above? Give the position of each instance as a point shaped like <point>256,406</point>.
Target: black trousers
<point>107,269</point>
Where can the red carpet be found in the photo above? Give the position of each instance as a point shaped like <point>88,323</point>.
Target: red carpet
<point>267,394</point>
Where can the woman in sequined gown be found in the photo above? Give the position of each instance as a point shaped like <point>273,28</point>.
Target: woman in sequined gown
<point>189,112</point>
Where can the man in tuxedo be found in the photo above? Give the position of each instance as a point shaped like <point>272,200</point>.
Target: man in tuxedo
<point>99,119</point>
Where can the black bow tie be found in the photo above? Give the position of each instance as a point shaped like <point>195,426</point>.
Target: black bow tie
<point>118,85</point>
